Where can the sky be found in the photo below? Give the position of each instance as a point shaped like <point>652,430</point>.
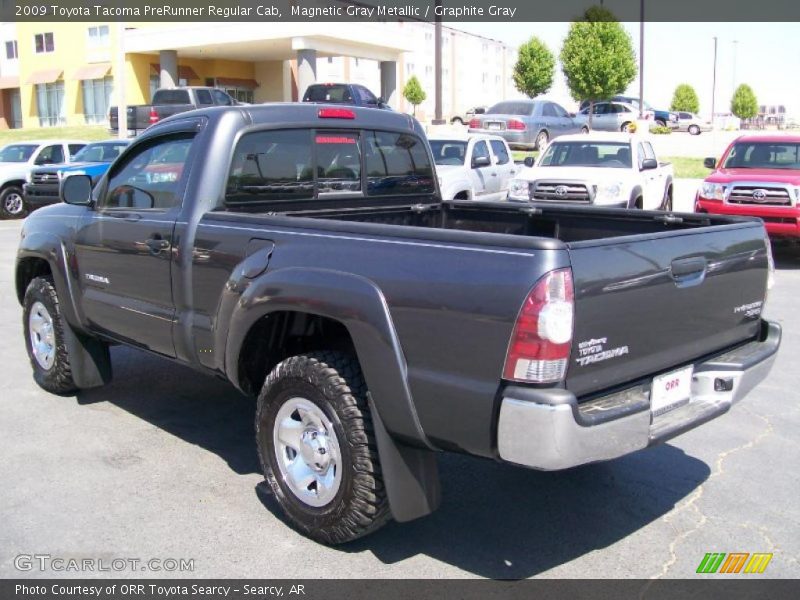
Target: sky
<point>766,56</point>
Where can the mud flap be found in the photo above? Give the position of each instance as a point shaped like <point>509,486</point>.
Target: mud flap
<point>411,475</point>
<point>89,359</point>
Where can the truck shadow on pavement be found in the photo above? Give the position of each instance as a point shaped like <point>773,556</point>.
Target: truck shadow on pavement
<point>495,520</point>
<point>786,254</point>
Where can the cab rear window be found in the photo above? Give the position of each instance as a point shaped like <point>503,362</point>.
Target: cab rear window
<point>298,164</point>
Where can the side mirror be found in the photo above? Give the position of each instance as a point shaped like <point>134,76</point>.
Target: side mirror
<point>710,163</point>
<point>76,189</point>
<point>481,161</point>
<point>649,163</point>
<point>529,161</point>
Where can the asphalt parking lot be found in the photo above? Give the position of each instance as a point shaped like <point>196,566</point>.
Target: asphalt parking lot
<point>161,464</point>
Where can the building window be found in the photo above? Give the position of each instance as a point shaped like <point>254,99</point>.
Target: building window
<point>98,36</point>
<point>11,50</point>
<point>409,67</point>
<point>50,104</point>
<point>43,42</point>
<point>330,60</point>
<point>96,98</point>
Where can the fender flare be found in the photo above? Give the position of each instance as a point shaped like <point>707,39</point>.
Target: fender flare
<point>635,193</point>
<point>90,360</point>
<point>407,457</point>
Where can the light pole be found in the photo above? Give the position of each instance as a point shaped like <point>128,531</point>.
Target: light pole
<point>714,80</point>
<point>437,61</point>
<point>119,83</point>
<point>641,60</point>
<point>735,45</point>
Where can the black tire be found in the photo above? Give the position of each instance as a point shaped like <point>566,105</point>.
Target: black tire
<point>12,203</point>
<point>58,377</point>
<point>694,130</point>
<point>541,140</point>
<point>638,203</point>
<point>625,127</point>
<point>584,130</point>
<point>333,382</point>
<point>661,123</point>
<point>456,121</point>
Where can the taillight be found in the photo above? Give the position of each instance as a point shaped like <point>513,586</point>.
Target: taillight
<point>336,113</point>
<point>540,345</point>
<point>516,125</point>
<point>153,116</point>
<point>475,123</point>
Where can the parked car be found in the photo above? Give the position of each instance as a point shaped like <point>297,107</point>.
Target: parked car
<point>526,124</point>
<point>167,102</point>
<point>663,118</point>
<point>472,167</point>
<point>17,159</point>
<point>612,116</point>
<point>344,93</point>
<point>464,118</point>
<point>42,183</point>
<point>599,169</point>
<point>378,325</point>
<point>692,123</point>
<point>757,176</point>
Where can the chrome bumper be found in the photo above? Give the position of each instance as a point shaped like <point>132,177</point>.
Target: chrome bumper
<point>549,430</point>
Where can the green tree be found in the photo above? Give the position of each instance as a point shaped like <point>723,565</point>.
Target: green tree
<point>744,104</point>
<point>414,93</point>
<point>685,99</point>
<point>534,69</point>
<point>597,57</point>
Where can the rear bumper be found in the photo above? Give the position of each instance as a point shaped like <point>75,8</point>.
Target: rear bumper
<point>778,221</point>
<point>516,139</point>
<point>549,430</point>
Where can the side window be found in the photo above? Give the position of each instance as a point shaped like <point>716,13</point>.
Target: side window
<point>221,98</point>
<point>601,108</point>
<point>560,112</point>
<point>499,149</point>
<point>338,162</point>
<point>480,150</point>
<point>271,165</point>
<point>150,176</point>
<point>640,155</point>
<point>548,110</point>
<point>51,155</point>
<point>648,150</point>
<point>74,149</point>
<point>366,96</point>
<point>396,164</point>
<point>204,97</point>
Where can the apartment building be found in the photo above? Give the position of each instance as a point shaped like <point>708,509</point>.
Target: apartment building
<point>63,73</point>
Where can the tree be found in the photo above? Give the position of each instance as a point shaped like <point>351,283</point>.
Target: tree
<point>744,104</point>
<point>597,57</point>
<point>685,99</point>
<point>414,93</point>
<point>534,69</point>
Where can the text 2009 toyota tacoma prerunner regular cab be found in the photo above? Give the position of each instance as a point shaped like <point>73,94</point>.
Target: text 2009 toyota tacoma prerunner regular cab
<point>302,252</point>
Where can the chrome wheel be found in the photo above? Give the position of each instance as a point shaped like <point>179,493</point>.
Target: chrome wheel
<point>308,452</point>
<point>541,140</point>
<point>13,204</point>
<point>43,338</point>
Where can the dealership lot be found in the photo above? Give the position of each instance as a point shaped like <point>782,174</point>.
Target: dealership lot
<point>161,464</point>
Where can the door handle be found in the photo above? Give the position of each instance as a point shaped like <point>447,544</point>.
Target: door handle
<point>688,272</point>
<point>156,245</point>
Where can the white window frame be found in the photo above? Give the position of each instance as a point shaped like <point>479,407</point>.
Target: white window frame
<point>44,42</point>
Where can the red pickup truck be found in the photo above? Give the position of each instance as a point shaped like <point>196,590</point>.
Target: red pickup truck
<point>757,176</point>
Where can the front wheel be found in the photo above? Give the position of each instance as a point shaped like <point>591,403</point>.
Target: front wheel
<point>584,130</point>
<point>456,121</point>
<point>694,130</point>
<point>317,447</point>
<point>667,203</point>
<point>12,204</point>
<point>661,123</point>
<point>44,337</point>
<point>541,140</point>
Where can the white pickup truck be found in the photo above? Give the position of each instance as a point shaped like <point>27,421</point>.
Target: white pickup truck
<point>599,169</point>
<point>472,167</point>
<point>16,161</point>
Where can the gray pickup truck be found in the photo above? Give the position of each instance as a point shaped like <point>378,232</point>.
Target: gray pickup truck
<point>302,252</point>
<point>168,102</point>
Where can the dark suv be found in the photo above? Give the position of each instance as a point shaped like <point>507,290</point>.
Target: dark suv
<point>344,93</point>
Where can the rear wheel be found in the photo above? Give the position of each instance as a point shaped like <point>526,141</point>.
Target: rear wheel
<point>317,448</point>
<point>694,130</point>
<point>12,204</point>
<point>44,337</point>
<point>626,127</point>
<point>661,123</point>
<point>584,130</point>
<point>541,140</point>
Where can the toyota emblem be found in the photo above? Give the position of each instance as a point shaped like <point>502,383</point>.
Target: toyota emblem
<point>561,190</point>
<point>759,195</point>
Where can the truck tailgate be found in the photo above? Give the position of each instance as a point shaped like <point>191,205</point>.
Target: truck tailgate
<point>646,306</point>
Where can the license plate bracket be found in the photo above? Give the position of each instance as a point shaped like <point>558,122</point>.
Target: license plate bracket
<point>671,390</point>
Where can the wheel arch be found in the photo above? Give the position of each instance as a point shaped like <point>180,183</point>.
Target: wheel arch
<point>353,312</point>
<point>636,192</point>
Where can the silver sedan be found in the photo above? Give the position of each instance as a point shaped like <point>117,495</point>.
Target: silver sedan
<point>692,123</point>
<point>612,116</point>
